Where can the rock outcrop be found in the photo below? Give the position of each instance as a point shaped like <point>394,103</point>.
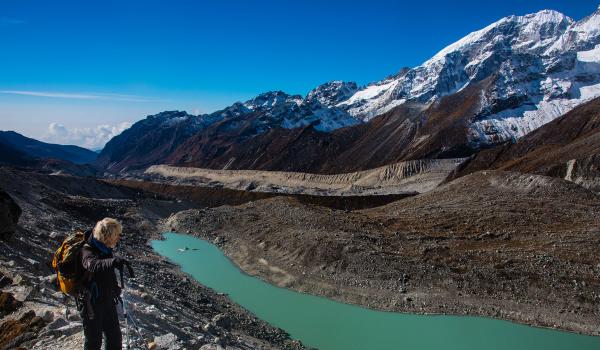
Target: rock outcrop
<point>568,148</point>
<point>9,215</point>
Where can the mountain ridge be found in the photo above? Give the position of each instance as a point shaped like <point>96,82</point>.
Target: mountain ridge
<point>31,149</point>
<point>514,75</point>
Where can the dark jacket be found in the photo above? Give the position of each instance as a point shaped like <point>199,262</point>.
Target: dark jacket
<point>100,279</point>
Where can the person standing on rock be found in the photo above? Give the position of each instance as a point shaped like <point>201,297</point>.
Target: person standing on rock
<point>100,293</point>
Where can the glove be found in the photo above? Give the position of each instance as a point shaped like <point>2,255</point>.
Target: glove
<point>119,262</point>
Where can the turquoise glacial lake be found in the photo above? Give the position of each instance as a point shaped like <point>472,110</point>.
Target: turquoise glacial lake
<point>330,325</point>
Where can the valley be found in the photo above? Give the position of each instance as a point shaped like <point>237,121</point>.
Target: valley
<point>495,244</point>
<point>468,185</point>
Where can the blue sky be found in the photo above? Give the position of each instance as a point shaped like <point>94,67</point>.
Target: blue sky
<point>72,69</point>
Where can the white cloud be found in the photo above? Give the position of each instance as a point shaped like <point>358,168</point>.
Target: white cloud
<point>93,138</point>
<point>79,96</point>
<point>57,130</point>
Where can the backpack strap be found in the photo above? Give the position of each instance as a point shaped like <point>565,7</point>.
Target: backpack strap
<point>87,234</point>
<point>58,261</point>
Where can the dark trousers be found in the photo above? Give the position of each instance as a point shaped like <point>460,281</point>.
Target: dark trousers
<point>105,322</point>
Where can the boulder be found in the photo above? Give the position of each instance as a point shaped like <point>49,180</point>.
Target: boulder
<point>47,316</point>
<point>58,323</point>
<point>13,332</point>
<point>9,215</point>
<point>18,280</point>
<point>146,297</point>
<point>5,280</point>
<point>222,321</point>
<point>209,327</point>
<point>8,303</point>
<point>167,341</point>
<point>211,347</point>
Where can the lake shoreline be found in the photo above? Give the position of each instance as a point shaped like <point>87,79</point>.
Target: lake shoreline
<point>306,314</point>
<point>272,265</point>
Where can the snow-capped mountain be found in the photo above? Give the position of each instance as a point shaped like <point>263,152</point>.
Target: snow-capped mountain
<point>496,84</point>
<point>332,93</point>
<point>279,109</point>
<point>543,65</point>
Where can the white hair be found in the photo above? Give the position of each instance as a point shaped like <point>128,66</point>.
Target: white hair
<point>108,231</point>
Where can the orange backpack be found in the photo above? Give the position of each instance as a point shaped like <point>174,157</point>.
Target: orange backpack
<point>67,263</point>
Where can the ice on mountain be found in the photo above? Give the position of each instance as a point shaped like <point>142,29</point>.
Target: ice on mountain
<point>543,65</point>
<point>532,58</point>
<point>331,93</point>
<point>592,55</point>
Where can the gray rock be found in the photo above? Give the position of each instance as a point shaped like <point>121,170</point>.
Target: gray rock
<point>74,316</point>
<point>209,327</point>
<point>221,320</point>
<point>17,280</point>
<point>9,215</point>
<point>167,341</point>
<point>58,323</point>
<point>5,281</point>
<point>36,264</point>
<point>47,316</point>
<point>70,329</point>
<point>21,292</point>
<point>211,347</point>
<point>146,297</point>
<point>50,279</point>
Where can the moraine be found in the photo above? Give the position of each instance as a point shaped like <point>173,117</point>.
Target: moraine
<point>329,325</point>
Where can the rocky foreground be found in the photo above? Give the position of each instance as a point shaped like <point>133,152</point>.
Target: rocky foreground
<point>493,243</point>
<point>170,310</point>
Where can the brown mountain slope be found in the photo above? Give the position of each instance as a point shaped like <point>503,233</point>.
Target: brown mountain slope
<point>405,133</point>
<point>568,147</point>
<point>146,142</point>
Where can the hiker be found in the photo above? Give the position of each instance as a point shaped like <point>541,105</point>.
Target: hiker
<point>101,293</point>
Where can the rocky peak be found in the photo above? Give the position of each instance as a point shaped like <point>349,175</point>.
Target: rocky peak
<point>579,36</point>
<point>169,115</point>
<point>235,110</point>
<point>331,93</point>
<point>272,99</point>
<point>533,58</point>
<point>512,34</point>
<point>168,118</point>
